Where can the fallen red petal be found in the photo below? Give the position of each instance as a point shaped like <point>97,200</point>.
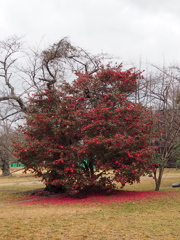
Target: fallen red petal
<point>116,196</point>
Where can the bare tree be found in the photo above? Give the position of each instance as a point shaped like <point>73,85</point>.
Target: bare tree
<point>24,71</point>
<point>160,91</point>
<point>6,149</point>
<point>62,58</point>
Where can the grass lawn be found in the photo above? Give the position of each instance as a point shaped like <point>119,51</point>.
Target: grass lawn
<point>154,218</point>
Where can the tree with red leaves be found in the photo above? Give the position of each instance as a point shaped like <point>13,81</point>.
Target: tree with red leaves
<point>88,134</point>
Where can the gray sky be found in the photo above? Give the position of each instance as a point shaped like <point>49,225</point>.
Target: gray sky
<point>133,30</point>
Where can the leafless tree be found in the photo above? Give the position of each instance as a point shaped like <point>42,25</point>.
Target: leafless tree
<point>62,58</point>
<point>160,91</point>
<point>6,149</point>
<point>25,71</point>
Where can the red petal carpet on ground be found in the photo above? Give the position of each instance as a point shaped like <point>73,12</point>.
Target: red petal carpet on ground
<point>116,196</point>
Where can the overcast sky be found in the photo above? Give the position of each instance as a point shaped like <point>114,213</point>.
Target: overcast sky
<point>133,30</point>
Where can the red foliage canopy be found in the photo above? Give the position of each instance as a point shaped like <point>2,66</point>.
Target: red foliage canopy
<point>88,133</point>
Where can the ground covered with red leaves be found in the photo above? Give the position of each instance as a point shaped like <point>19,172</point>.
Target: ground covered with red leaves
<point>117,197</point>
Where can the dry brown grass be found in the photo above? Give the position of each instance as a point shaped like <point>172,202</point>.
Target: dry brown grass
<point>148,219</point>
<point>154,219</point>
<point>18,176</point>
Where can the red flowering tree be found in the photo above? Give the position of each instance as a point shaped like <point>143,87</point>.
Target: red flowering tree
<point>88,133</point>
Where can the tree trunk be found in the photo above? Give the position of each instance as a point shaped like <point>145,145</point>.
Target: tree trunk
<point>5,168</point>
<point>158,178</point>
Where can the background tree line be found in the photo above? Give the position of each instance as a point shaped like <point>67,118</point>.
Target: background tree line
<point>24,71</point>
